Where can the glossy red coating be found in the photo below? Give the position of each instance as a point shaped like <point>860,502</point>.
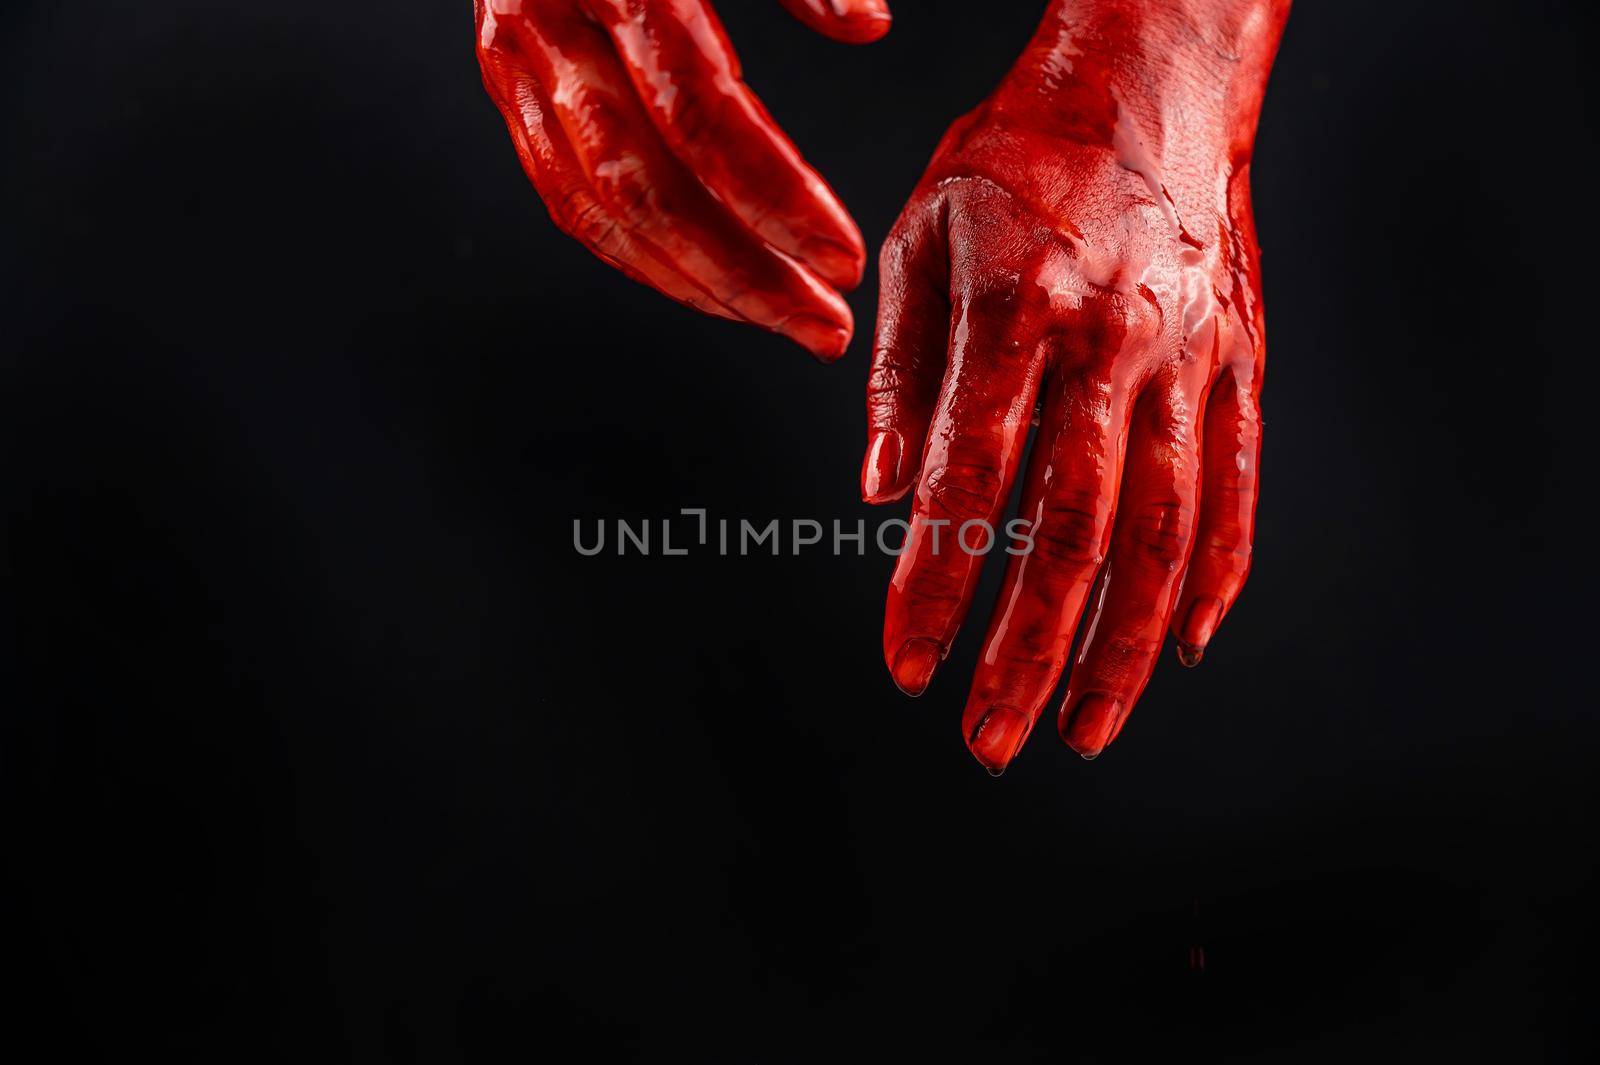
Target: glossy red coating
<point>1081,251</point>
<point>633,121</point>
<point>851,21</point>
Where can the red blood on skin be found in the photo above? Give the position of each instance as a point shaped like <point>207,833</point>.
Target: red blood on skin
<point>1082,245</point>
<point>633,121</point>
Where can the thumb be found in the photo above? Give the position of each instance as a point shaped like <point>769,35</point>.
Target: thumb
<point>850,21</point>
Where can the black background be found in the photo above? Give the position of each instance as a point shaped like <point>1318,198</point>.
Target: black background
<point>321,742</point>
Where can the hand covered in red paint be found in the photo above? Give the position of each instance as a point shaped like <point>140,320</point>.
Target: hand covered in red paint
<point>1082,246</point>
<point>634,124</point>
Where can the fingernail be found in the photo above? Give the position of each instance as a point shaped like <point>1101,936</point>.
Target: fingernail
<point>823,337</point>
<point>998,737</point>
<point>881,472</point>
<point>870,19</point>
<point>1198,628</point>
<point>914,665</point>
<point>1190,655</point>
<point>1088,728</point>
<point>838,264</point>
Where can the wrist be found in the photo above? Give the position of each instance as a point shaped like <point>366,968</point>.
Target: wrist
<point>1184,78</point>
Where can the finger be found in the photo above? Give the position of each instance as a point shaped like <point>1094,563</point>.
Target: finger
<point>1150,543</point>
<point>908,354</point>
<point>549,162</point>
<point>850,21</point>
<point>657,203</point>
<point>1067,501</point>
<point>688,79</point>
<point>978,432</point>
<point>1226,530</point>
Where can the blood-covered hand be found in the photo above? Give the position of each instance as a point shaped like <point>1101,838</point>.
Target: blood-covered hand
<point>1080,252</point>
<point>633,121</point>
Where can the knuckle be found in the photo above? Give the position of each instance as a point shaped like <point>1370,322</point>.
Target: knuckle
<point>1142,319</point>
<point>1230,552</point>
<point>887,376</point>
<point>963,491</point>
<point>1003,296</point>
<point>995,295</point>
<point>892,367</point>
<point>888,395</point>
<point>1125,658</point>
<point>1072,527</point>
<point>591,225</point>
<point>1161,531</point>
<point>1027,648</point>
<point>899,246</point>
<point>1108,323</point>
<point>932,595</point>
<point>914,232</point>
<point>893,387</point>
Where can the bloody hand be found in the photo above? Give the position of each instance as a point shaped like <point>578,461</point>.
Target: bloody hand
<point>1082,246</point>
<point>633,122</point>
